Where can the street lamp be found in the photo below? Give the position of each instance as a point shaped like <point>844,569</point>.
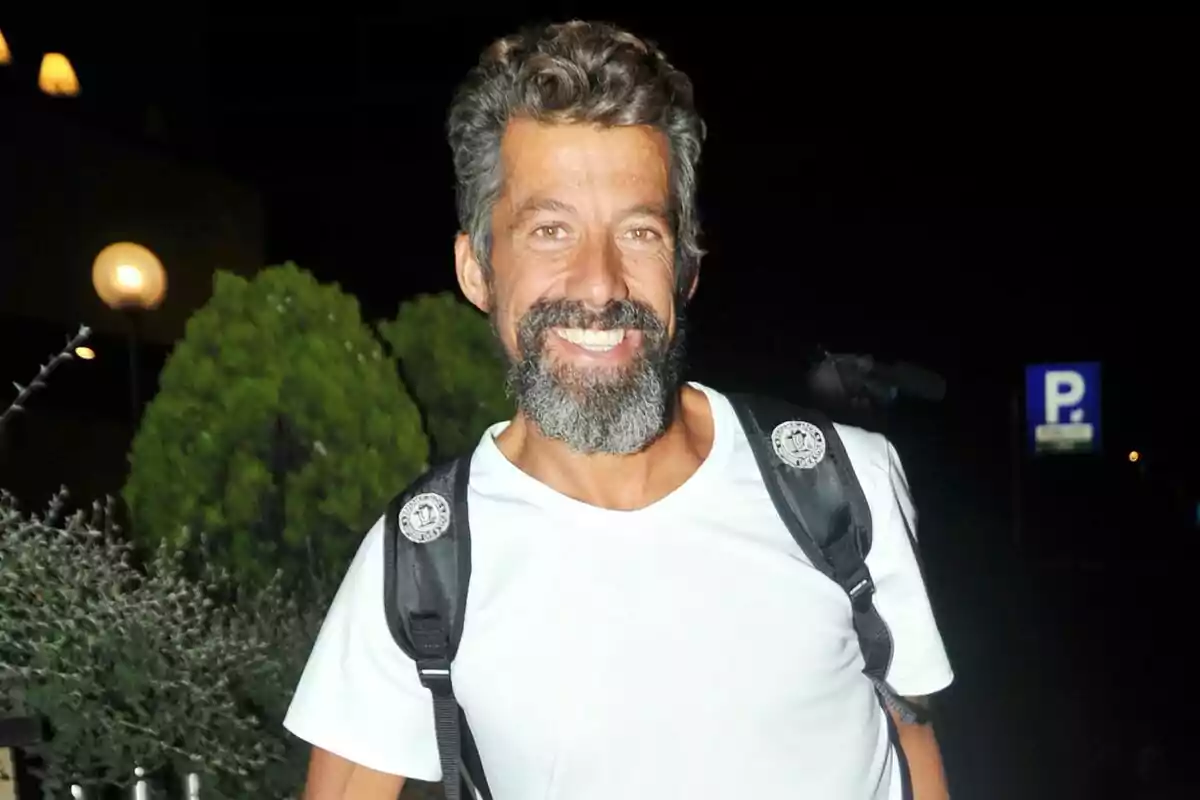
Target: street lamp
<point>57,77</point>
<point>127,277</point>
<point>130,279</point>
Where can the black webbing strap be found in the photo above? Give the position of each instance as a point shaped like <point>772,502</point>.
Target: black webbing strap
<point>445,719</point>
<point>826,511</point>
<point>425,587</point>
<point>906,790</point>
<point>845,549</point>
<point>431,640</point>
<point>847,565</point>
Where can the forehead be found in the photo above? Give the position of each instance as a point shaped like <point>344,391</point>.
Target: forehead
<point>547,160</point>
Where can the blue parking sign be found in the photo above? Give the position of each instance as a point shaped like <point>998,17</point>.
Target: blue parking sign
<point>1062,407</point>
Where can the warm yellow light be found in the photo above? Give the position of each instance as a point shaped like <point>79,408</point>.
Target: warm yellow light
<point>86,353</point>
<point>1134,455</point>
<point>57,77</point>
<point>129,277</point>
<point>5,53</point>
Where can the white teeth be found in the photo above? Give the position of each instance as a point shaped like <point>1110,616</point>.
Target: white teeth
<point>599,341</point>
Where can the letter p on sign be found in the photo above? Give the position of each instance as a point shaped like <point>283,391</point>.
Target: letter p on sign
<point>1064,389</point>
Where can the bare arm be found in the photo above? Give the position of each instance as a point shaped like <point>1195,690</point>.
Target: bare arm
<point>331,777</point>
<point>924,756</point>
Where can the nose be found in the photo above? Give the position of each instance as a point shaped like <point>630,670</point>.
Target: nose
<point>598,275</point>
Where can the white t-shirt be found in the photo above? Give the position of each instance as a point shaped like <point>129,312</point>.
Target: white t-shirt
<point>684,650</point>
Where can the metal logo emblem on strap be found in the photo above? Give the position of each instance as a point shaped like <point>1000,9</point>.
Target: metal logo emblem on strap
<point>799,444</point>
<point>424,518</point>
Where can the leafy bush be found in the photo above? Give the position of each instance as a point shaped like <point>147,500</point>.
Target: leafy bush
<point>176,667</point>
<point>280,430</point>
<point>142,666</point>
<point>452,363</point>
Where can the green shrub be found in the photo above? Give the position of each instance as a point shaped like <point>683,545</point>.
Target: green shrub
<point>280,430</point>
<point>452,363</point>
<point>143,666</point>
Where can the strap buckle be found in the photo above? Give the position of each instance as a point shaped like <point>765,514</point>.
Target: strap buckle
<point>435,675</point>
<point>431,640</point>
<point>861,589</point>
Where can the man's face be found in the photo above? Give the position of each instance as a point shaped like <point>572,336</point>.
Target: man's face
<point>582,282</point>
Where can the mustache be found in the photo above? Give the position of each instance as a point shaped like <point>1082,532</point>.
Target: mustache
<point>628,314</point>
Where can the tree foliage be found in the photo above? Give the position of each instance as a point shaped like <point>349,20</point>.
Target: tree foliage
<point>280,429</point>
<point>143,666</point>
<point>452,362</point>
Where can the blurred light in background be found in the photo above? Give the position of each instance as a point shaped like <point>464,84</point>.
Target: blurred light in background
<point>5,53</point>
<point>57,77</point>
<point>129,277</point>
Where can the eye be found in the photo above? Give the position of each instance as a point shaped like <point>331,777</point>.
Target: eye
<point>644,235</point>
<point>553,231</point>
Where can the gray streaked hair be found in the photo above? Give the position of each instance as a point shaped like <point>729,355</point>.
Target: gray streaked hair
<point>574,72</point>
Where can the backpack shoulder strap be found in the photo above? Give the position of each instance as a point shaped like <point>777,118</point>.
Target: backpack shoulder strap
<point>427,563</point>
<point>427,569</point>
<point>813,485</point>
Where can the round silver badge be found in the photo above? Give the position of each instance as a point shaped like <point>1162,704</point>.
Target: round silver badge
<point>799,444</point>
<point>425,518</point>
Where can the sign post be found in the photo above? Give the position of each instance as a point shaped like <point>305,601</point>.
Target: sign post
<point>1016,456</point>
<point>1062,407</point>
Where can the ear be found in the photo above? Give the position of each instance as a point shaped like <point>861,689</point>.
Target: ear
<point>471,277</point>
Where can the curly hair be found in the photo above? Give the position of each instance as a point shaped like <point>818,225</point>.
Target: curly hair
<point>574,72</point>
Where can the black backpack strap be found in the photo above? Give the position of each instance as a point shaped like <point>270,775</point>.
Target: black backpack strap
<point>818,496</point>
<point>427,568</point>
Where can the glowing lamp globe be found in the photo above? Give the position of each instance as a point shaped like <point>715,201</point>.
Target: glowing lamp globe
<point>5,53</point>
<point>128,277</point>
<point>57,77</point>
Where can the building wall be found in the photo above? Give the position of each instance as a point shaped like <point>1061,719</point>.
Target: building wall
<point>68,189</point>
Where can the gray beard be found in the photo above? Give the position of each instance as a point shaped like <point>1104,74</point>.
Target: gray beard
<point>594,411</point>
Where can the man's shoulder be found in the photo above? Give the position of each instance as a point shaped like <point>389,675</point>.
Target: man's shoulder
<point>868,450</point>
<point>368,560</point>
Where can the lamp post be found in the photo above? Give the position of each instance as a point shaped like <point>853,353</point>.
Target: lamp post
<point>131,280</point>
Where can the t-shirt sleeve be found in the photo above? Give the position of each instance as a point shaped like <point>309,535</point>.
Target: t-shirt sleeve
<point>359,696</point>
<point>919,665</point>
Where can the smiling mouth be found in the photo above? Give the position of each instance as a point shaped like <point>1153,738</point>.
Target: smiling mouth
<point>593,340</point>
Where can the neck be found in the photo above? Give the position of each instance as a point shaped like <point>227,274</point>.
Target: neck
<point>618,482</point>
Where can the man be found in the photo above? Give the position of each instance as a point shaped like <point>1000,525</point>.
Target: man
<point>639,624</point>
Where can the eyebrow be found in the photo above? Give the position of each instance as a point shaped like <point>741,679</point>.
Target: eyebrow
<point>536,204</point>
<point>655,210</point>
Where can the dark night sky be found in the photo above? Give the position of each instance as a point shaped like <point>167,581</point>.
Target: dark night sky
<point>971,193</point>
